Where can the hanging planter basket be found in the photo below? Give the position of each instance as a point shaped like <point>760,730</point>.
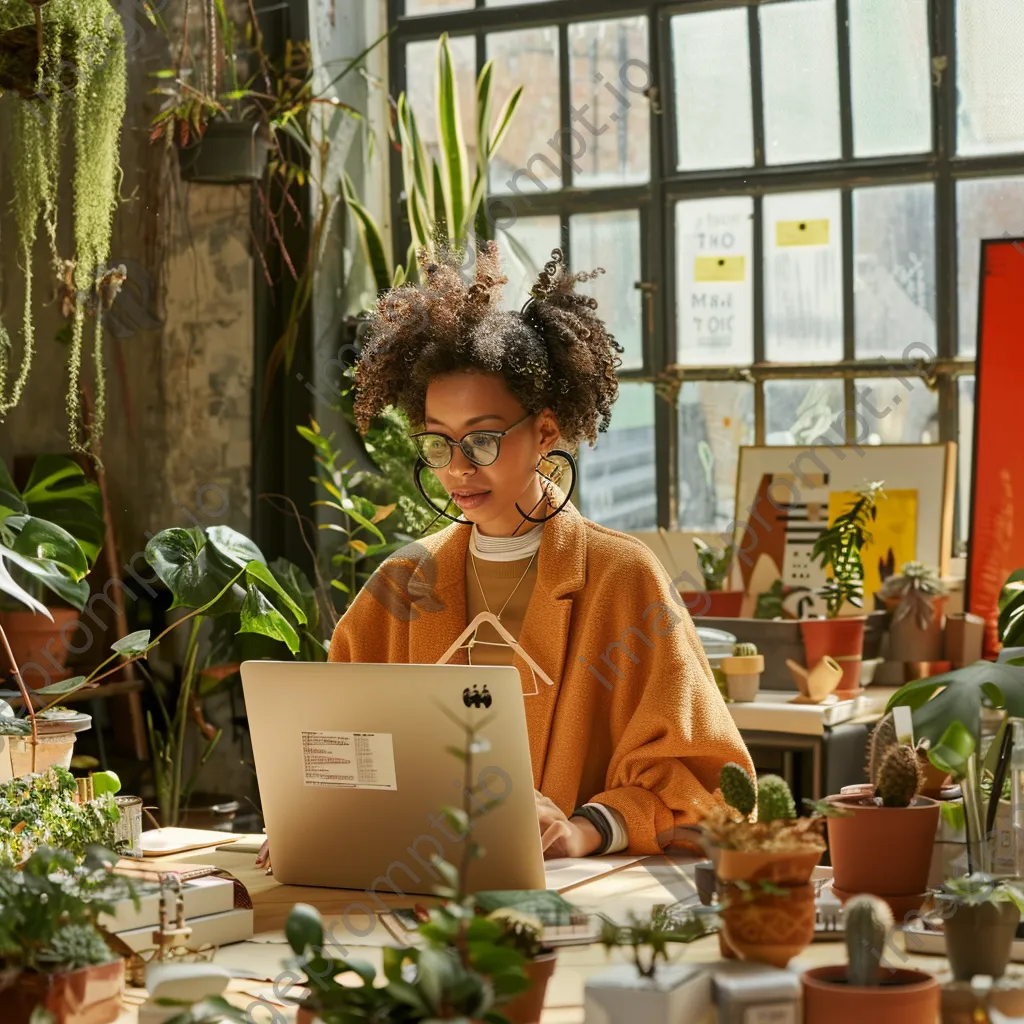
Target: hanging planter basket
<point>229,153</point>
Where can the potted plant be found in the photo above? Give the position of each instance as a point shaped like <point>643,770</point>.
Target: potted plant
<point>52,952</point>
<point>883,845</point>
<point>649,988</point>
<point>50,534</point>
<point>864,990</point>
<point>743,672</point>
<point>838,549</point>
<point>763,867</point>
<point>523,933</point>
<point>915,598</point>
<point>980,915</point>
<point>715,564</point>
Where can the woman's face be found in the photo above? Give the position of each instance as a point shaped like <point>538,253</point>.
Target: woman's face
<point>459,403</point>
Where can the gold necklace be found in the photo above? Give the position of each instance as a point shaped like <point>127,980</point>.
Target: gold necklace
<point>490,643</point>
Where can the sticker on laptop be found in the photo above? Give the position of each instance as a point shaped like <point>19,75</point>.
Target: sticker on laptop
<point>348,760</point>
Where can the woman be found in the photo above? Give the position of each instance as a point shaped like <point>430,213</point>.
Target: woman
<point>627,744</point>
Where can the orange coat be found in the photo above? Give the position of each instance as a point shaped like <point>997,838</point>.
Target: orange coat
<point>634,720</point>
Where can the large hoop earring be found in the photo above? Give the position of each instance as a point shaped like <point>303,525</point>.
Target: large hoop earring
<point>417,469</point>
<point>572,487</point>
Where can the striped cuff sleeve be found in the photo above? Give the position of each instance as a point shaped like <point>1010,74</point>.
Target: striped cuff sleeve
<point>620,837</point>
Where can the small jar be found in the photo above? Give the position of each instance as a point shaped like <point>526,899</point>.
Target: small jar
<point>129,828</point>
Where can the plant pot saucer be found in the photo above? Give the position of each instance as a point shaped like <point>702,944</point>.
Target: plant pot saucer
<point>59,726</point>
<point>900,905</point>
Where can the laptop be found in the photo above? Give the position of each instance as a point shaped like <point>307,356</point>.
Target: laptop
<point>354,766</point>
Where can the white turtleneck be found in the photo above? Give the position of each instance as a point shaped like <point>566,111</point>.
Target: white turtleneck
<point>505,549</point>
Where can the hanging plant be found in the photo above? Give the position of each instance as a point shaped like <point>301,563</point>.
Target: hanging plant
<point>61,60</point>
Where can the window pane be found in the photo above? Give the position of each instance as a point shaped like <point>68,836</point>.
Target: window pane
<point>421,82</point>
<point>803,290</point>
<point>889,72</point>
<point>965,456</point>
<point>986,208</point>
<point>435,6</point>
<point>801,81</point>
<point>529,159</point>
<point>610,142</point>
<point>894,267</point>
<point>798,412</point>
<point>612,241</point>
<point>714,123</point>
<point>526,247</point>
<point>617,482</point>
<point>891,411</point>
<point>990,86</point>
<point>715,241</point>
<point>715,419</point>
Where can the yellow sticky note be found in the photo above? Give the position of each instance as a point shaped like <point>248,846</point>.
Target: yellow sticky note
<point>801,232</point>
<point>719,268</point>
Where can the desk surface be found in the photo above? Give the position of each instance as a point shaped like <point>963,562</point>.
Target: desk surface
<point>637,888</point>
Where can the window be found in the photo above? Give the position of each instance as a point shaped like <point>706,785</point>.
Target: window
<point>789,217</point>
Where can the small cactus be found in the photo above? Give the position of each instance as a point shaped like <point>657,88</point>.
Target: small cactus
<point>867,921</point>
<point>774,800</point>
<point>899,778</point>
<point>744,650</point>
<point>883,739</point>
<point>738,788</point>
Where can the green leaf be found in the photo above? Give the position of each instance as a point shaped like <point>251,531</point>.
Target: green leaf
<point>349,508</point>
<point>105,782</point>
<point>61,688</point>
<point>453,148</point>
<point>953,750</point>
<point>132,644</point>
<point>195,570</point>
<point>260,616</point>
<point>260,573</point>
<point>304,928</point>
<point>504,121</point>
<point>369,237</point>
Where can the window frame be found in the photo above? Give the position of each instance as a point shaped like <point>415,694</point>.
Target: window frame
<point>656,200</point>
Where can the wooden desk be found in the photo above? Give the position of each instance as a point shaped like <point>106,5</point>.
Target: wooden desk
<point>638,888</point>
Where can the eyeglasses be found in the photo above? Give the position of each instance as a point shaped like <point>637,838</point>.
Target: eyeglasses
<point>481,447</point>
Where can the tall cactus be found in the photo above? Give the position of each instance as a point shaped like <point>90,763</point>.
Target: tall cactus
<point>899,778</point>
<point>883,739</point>
<point>867,921</point>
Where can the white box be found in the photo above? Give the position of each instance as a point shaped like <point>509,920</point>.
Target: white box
<point>677,994</point>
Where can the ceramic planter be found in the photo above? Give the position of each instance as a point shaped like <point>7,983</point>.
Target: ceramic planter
<point>55,747</point>
<point>92,995</point>
<point>901,997</point>
<point>743,676</point>
<point>908,642</point>
<point>885,851</point>
<point>527,1008</point>
<point>37,643</point>
<point>841,639</point>
<point>229,153</point>
<point>721,604</point>
<point>756,866</point>
<point>676,993</point>
<point>768,927</point>
<point>979,937</point>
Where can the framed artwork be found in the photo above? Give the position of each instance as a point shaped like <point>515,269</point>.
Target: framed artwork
<point>786,497</point>
<point>996,546</point>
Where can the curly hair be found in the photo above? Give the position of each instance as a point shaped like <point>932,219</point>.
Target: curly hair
<point>555,353</point>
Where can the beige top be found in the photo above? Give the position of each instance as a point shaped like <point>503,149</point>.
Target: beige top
<point>488,589</point>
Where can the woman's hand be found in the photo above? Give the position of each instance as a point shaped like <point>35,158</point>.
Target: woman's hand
<point>263,857</point>
<point>561,836</point>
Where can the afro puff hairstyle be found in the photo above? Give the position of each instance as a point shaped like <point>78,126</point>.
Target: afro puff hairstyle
<point>555,353</point>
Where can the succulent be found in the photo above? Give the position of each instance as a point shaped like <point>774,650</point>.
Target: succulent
<point>714,563</point>
<point>744,650</point>
<point>738,788</point>
<point>75,946</point>
<point>883,739</point>
<point>867,921</point>
<point>774,800</point>
<point>899,778</point>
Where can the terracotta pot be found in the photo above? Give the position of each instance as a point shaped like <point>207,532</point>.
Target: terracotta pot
<point>934,780</point>
<point>841,639</point>
<point>721,604</point>
<point>755,866</point>
<point>901,997</point>
<point>908,642</point>
<point>885,851</point>
<point>37,643</point>
<point>979,937</point>
<point>527,1007</point>
<point>767,927</point>
<point>92,995</point>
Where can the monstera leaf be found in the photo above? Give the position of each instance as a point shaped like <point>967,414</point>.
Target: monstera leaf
<point>1011,611</point>
<point>59,491</point>
<point>946,709</point>
<point>45,552</point>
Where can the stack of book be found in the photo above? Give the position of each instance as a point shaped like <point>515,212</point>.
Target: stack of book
<point>209,904</point>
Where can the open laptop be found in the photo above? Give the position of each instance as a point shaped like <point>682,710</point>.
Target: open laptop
<point>353,772</point>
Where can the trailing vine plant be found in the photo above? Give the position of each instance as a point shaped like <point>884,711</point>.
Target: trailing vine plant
<point>60,60</point>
